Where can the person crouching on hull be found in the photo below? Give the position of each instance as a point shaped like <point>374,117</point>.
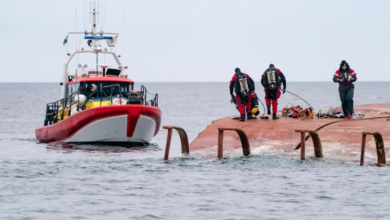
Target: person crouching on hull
<point>271,80</point>
<point>255,104</point>
<point>345,76</point>
<point>244,88</point>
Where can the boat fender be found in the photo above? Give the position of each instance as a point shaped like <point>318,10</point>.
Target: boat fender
<point>80,98</point>
<point>75,111</point>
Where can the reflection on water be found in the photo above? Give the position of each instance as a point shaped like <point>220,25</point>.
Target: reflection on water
<point>100,148</point>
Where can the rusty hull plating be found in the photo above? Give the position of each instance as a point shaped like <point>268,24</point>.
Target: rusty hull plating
<point>338,136</point>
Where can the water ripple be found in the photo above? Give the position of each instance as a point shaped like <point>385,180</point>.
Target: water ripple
<point>39,181</point>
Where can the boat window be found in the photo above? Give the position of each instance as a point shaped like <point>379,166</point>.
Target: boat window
<point>114,88</point>
<point>72,88</point>
<point>90,89</point>
<point>105,89</point>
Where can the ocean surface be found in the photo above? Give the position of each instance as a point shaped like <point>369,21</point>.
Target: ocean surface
<point>38,181</point>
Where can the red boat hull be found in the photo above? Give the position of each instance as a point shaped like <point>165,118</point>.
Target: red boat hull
<point>104,119</point>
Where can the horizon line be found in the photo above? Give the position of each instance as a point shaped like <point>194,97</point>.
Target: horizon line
<point>202,82</point>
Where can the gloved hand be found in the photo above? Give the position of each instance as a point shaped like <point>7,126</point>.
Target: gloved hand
<point>284,90</point>
<point>341,80</point>
<point>233,98</point>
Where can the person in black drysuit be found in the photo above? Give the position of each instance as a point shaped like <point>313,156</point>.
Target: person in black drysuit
<point>243,100</point>
<point>345,76</point>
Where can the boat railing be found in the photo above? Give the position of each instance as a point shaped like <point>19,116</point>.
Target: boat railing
<point>55,111</point>
<point>151,102</point>
<point>58,110</point>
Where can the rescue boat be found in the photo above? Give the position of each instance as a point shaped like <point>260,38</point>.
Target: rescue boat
<point>100,104</point>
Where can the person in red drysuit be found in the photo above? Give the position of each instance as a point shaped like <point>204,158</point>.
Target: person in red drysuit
<point>271,80</point>
<point>346,76</point>
<point>244,88</point>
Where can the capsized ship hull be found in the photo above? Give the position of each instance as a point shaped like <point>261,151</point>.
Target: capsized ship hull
<point>343,138</point>
<point>122,124</point>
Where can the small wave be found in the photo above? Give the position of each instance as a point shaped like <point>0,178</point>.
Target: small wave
<point>148,216</point>
<point>21,139</point>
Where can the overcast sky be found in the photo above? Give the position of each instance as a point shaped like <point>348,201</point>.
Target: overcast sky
<point>204,40</point>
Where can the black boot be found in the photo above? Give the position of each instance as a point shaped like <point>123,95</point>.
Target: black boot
<point>269,109</point>
<point>264,117</point>
<point>250,116</point>
<point>274,116</point>
<point>242,118</point>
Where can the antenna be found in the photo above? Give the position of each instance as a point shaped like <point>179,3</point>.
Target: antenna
<point>102,14</point>
<point>85,25</point>
<point>90,6</point>
<point>75,30</point>
<point>75,26</point>
<point>123,44</point>
<point>105,14</point>
<point>98,11</point>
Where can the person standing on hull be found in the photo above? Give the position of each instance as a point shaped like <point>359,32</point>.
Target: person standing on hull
<point>244,88</point>
<point>271,80</point>
<point>345,76</point>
